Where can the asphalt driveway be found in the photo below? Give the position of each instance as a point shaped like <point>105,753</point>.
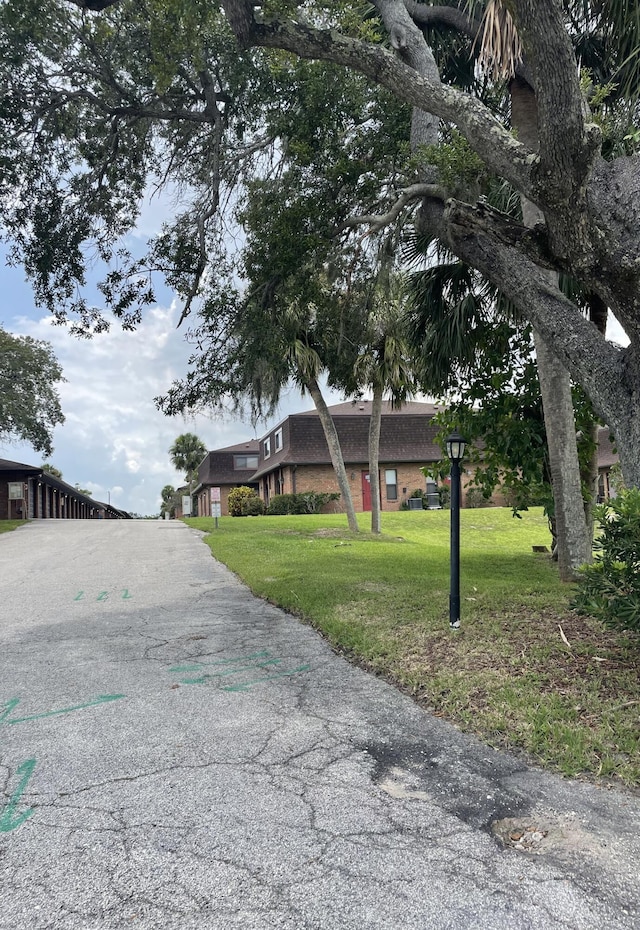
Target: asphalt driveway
<point>175,753</point>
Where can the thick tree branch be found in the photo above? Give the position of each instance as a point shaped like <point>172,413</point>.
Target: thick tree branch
<point>569,145</point>
<point>596,364</point>
<point>504,154</point>
<point>410,44</point>
<point>378,221</point>
<point>450,16</point>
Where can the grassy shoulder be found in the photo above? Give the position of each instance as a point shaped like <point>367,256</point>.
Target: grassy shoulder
<point>524,672</point>
<point>7,525</point>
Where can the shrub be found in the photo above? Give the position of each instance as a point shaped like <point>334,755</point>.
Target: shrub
<point>253,507</point>
<point>444,493</point>
<point>307,502</point>
<point>475,498</point>
<point>610,588</point>
<point>238,498</point>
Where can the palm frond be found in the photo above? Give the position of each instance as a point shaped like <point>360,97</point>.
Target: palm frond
<point>500,48</point>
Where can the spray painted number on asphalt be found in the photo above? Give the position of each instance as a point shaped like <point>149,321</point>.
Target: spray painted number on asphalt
<point>122,594</point>
<point>219,669</point>
<point>9,820</point>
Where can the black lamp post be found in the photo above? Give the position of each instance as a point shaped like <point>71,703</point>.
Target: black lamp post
<point>455,451</point>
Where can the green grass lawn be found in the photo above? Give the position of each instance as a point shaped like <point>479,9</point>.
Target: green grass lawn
<point>508,675</point>
<point>6,525</point>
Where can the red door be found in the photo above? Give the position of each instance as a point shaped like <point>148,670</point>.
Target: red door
<point>366,491</point>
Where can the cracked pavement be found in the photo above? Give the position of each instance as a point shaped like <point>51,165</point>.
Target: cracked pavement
<point>175,753</point>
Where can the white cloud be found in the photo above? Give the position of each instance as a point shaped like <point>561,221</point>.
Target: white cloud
<point>114,442</point>
<point>113,435</point>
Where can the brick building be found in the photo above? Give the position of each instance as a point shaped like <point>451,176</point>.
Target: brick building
<point>293,457</point>
<point>225,469</point>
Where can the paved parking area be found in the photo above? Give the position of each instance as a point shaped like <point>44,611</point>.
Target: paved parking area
<point>175,753</point>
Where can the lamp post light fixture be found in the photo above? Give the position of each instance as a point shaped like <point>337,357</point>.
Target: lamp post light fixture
<point>455,445</point>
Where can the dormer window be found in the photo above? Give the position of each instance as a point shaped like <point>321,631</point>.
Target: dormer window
<point>266,448</point>
<point>278,440</point>
<point>245,461</point>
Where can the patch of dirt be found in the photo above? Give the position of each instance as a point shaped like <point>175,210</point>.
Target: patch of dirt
<point>544,834</point>
<point>329,533</point>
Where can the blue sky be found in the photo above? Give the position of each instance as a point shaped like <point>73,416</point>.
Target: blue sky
<point>114,442</point>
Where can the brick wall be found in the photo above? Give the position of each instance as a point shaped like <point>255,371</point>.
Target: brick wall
<point>322,479</point>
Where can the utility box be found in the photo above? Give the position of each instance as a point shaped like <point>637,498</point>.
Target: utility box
<point>433,498</point>
<point>415,503</point>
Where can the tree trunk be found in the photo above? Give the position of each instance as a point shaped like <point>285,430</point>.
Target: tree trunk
<point>374,457</point>
<point>331,435</point>
<point>574,542</point>
<point>598,315</point>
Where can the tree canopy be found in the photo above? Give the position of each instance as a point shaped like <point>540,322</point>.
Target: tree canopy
<point>29,401</point>
<point>590,204</point>
<point>101,99</point>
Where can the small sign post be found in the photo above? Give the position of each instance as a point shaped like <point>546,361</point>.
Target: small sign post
<point>216,506</point>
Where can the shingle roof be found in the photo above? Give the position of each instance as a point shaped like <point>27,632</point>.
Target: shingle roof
<point>217,466</point>
<point>406,435</point>
<point>362,408</point>
<point>7,465</point>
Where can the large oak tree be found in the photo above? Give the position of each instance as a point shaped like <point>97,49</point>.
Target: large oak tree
<point>590,206</point>
<point>99,97</point>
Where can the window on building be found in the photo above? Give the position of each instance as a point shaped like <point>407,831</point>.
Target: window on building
<point>391,481</point>
<point>266,446</point>
<point>245,461</point>
<point>278,440</point>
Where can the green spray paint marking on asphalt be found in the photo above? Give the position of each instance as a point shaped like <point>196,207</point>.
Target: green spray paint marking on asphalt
<point>196,666</point>
<point>101,699</point>
<point>8,821</point>
<point>104,595</point>
<point>245,685</point>
<point>232,671</point>
<point>235,666</point>
<point>8,705</point>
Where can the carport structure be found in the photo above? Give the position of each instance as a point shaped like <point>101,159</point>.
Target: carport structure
<point>28,491</point>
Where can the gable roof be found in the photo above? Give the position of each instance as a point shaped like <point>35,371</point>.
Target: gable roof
<point>217,467</point>
<point>362,408</point>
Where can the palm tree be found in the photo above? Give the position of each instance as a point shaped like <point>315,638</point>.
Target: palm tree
<point>385,366</point>
<point>186,453</point>
<point>305,368</point>
<point>167,494</point>
<point>51,470</point>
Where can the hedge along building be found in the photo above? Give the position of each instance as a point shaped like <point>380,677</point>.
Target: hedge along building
<point>29,492</point>
<point>293,457</point>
